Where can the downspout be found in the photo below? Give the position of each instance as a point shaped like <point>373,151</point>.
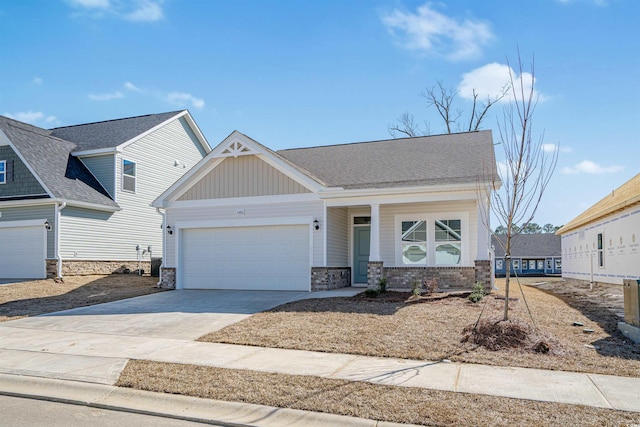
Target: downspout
<point>164,245</point>
<point>59,207</point>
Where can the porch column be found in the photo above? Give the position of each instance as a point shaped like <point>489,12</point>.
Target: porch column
<point>374,245</point>
<point>484,233</point>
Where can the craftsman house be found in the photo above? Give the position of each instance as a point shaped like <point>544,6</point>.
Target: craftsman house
<point>76,199</point>
<point>531,255</point>
<point>247,217</point>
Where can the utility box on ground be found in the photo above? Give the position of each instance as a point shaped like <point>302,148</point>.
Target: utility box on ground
<point>632,302</point>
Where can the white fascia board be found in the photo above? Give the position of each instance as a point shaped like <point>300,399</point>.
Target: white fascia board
<point>243,201</point>
<point>372,192</point>
<point>292,172</point>
<point>4,138</point>
<point>97,152</point>
<point>23,203</point>
<point>196,130</point>
<point>23,223</point>
<point>93,206</point>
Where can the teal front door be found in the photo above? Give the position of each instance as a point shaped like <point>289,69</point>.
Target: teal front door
<point>361,236</point>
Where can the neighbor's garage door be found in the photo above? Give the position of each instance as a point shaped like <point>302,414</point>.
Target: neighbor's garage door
<point>22,251</point>
<point>265,258</point>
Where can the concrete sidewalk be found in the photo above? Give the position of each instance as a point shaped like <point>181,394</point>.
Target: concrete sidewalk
<point>99,358</point>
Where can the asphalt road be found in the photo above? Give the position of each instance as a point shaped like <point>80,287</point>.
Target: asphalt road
<point>21,412</point>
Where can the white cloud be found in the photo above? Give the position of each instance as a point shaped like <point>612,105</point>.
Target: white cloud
<point>130,86</point>
<point>106,96</point>
<point>430,31</point>
<point>37,81</point>
<point>146,11</point>
<point>550,148</point>
<point>90,4</point>
<point>490,80</point>
<point>587,166</point>
<point>32,117</point>
<point>182,98</point>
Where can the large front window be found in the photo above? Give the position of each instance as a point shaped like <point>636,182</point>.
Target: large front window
<point>3,171</point>
<point>448,240</point>
<point>414,242</point>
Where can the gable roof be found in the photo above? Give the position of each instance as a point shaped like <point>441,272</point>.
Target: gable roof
<point>528,245</point>
<point>110,133</point>
<point>62,175</point>
<point>626,195</point>
<point>460,158</point>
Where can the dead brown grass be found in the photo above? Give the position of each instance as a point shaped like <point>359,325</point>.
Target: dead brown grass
<point>23,299</point>
<point>396,326</point>
<point>360,399</point>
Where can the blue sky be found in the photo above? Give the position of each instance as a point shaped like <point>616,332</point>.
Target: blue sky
<point>319,72</point>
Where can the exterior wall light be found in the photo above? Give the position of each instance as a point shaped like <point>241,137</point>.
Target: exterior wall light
<point>169,230</point>
<point>316,224</point>
<point>47,226</point>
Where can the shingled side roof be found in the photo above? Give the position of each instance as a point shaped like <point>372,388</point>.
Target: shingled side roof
<point>64,176</point>
<point>626,195</point>
<point>528,245</point>
<point>460,158</point>
<point>110,133</point>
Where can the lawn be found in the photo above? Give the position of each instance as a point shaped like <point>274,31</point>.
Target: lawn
<point>396,325</point>
<point>30,298</point>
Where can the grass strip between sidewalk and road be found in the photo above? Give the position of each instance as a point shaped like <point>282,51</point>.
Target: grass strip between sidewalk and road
<point>361,399</point>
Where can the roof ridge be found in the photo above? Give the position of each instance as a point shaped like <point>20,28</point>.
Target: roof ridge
<point>115,120</point>
<point>45,132</point>
<point>384,140</point>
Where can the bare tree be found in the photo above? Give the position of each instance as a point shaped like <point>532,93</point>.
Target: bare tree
<point>528,168</point>
<point>443,99</point>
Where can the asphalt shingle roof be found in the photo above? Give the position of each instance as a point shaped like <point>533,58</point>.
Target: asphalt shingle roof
<point>110,133</point>
<point>459,158</point>
<point>528,245</point>
<point>65,176</point>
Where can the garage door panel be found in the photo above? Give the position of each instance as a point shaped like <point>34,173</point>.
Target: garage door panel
<point>248,258</point>
<point>22,252</point>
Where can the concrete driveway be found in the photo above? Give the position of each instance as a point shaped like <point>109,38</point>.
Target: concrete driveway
<point>94,343</point>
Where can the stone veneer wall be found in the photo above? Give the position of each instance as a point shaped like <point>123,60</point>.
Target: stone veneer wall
<point>449,278</point>
<point>89,267</point>
<point>484,273</point>
<point>168,278</point>
<point>325,278</point>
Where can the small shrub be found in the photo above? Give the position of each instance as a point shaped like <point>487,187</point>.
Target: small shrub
<point>477,292</point>
<point>416,288</point>
<point>382,285</point>
<point>430,285</point>
<point>371,293</point>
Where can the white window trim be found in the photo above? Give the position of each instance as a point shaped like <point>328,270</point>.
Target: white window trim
<point>3,174</point>
<point>430,218</point>
<point>135,177</point>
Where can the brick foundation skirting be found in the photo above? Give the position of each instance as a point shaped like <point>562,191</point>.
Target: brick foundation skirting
<point>168,278</point>
<point>325,278</point>
<point>448,278</point>
<point>90,267</point>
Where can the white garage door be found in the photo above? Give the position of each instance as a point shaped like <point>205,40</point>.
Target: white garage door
<point>265,257</point>
<point>22,251</point>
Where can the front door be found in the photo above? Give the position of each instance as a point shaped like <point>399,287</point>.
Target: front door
<point>361,236</point>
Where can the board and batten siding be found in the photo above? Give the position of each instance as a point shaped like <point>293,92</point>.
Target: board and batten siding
<point>263,211</point>
<point>25,213</point>
<point>621,249</point>
<point>337,237</point>
<point>243,176</point>
<point>21,181</point>
<point>98,235</point>
<point>102,168</point>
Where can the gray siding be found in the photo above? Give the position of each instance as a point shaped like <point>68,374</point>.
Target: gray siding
<point>337,237</point>
<point>243,176</point>
<point>23,182</point>
<point>102,168</point>
<point>312,209</point>
<point>102,236</point>
<point>34,212</point>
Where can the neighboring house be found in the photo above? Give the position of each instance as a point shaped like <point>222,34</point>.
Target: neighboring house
<point>602,244</point>
<point>247,217</point>
<point>76,199</point>
<point>531,255</point>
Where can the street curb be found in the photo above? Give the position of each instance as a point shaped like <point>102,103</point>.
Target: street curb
<point>180,407</point>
